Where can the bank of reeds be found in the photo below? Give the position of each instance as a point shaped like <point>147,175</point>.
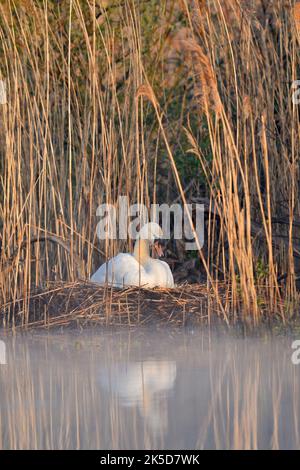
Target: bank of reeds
<point>82,304</point>
<point>160,101</point>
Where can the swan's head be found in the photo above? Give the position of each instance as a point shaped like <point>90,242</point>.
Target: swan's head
<point>154,234</point>
<point>151,232</point>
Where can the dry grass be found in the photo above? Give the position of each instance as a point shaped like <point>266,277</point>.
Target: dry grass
<point>62,304</point>
<point>81,304</point>
<point>88,118</point>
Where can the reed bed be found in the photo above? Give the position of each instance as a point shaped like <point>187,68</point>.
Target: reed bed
<point>78,304</point>
<point>160,102</point>
<point>84,303</point>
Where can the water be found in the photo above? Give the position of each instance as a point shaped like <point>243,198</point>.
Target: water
<point>149,389</point>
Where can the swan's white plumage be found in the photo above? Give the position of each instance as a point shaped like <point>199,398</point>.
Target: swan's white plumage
<point>155,273</point>
<point>159,270</point>
<point>125,269</point>
<point>114,271</point>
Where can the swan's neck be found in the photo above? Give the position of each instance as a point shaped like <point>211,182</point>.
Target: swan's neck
<point>141,251</point>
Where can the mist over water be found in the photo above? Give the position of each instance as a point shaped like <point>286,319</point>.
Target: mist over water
<point>167,389</point>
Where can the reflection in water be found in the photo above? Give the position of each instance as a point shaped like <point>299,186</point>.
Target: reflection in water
<point>145,385</point>
<point>149,389</point>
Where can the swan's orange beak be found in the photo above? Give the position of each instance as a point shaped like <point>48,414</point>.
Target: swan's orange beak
<point>158,248</point>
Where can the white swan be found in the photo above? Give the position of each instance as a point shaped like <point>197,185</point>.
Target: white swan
<point>138,269</point>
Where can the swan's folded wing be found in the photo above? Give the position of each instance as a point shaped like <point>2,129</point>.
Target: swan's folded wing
<point>168,273</point>
<point>136,276</point>
<point>115,270</point>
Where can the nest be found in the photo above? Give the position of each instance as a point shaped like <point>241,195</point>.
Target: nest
<point>85,303</point>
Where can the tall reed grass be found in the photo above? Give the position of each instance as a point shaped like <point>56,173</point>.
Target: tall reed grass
<point>159,101</point>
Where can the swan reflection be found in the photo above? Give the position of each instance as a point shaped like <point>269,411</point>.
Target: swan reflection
<point>145,385</point>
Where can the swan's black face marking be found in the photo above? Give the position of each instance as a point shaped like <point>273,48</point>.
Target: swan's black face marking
<point>159,245</point>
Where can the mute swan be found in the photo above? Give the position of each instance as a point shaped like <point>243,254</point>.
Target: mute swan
<point>138,269</point>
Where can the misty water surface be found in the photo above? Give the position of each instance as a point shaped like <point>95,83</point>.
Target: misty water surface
<point>149,389</point>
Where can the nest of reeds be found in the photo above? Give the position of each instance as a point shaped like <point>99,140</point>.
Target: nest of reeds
<point>85,303</point>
